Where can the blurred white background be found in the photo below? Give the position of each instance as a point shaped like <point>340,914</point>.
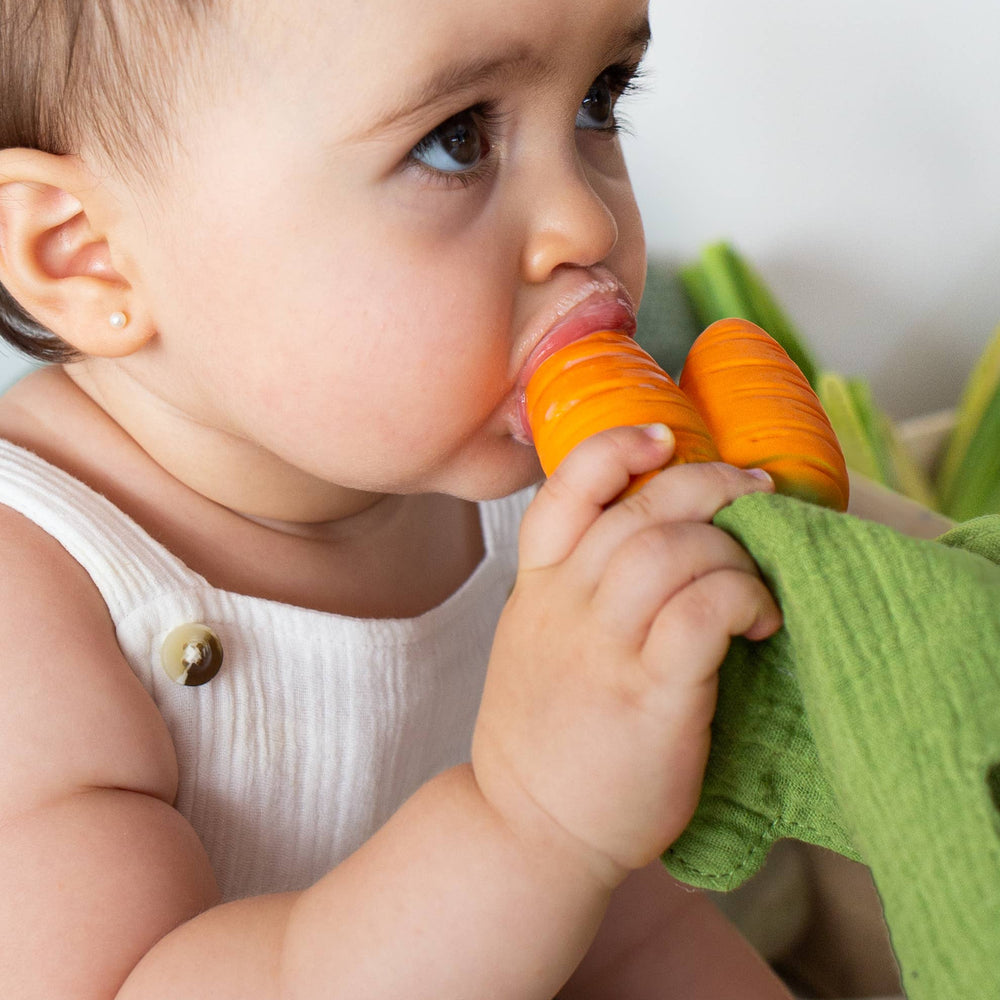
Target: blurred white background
<point>851,150</point>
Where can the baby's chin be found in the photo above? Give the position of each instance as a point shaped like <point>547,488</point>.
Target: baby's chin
<point>494,480</point>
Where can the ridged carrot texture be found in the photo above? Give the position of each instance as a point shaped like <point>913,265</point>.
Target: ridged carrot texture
<point>763,413</point>
<point>606,380</point>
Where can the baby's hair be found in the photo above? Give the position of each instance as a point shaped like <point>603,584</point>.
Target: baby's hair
<point>103,74</point>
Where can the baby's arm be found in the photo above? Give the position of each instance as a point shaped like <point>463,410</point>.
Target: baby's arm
<point>95,864</point>
<point>491,880</point>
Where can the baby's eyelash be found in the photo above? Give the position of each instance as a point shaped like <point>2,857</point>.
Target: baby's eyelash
<point>492,118</point>
<point>624,79</point>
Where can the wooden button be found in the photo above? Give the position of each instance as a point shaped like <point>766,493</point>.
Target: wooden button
<point>191,654</point>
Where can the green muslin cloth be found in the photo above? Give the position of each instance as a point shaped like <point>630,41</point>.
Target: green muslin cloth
<point>870,725</point>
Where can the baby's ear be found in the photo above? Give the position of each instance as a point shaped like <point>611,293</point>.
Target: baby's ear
<point>57,263</point>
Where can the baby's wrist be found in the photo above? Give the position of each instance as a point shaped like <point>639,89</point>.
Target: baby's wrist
<point>540,833</point>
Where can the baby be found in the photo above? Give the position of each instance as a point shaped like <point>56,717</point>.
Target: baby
<point>275,723</point>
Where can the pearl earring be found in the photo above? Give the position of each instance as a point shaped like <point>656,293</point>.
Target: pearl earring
<point>118,320</point>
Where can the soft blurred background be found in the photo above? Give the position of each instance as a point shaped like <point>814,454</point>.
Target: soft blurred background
<point>851,151</point>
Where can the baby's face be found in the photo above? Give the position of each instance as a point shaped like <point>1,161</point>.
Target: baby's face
<point>374,224</point>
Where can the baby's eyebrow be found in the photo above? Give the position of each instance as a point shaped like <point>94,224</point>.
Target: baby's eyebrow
<point>465,75</point>
<point>455,77</point>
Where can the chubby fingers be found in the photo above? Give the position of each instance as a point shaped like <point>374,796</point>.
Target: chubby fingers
<point>695,569</point>
<point>589,478</point>
<point>570,508</point>
<point>693,492</point>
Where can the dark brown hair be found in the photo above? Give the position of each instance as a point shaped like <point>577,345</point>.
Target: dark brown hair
<point>100,72</point>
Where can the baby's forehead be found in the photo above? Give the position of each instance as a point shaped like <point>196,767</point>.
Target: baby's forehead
<point>434,30</point>
<point>370,47</point>
<point>357,52</point>
<point>354,70</point>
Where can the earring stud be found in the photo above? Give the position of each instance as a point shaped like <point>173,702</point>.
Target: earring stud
<point>118,320</point>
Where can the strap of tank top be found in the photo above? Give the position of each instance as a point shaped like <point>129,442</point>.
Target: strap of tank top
<point>126,564</point>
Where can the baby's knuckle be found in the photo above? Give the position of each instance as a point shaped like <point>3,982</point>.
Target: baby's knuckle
<point>638,687</point>
<point>605,446</point>
<point>728,478</point>
<point>703,605</point>
<point>653,544</point>
<point>558,495</point>
<point>652,553</point>
<point>697,611</point>
<point>643,505</point>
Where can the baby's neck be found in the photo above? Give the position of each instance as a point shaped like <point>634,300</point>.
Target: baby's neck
<point>393,556</point>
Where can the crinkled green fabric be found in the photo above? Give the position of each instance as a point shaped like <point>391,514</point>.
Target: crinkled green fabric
<point>870,725</point>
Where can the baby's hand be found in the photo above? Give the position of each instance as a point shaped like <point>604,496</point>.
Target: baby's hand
<point>602,681</point>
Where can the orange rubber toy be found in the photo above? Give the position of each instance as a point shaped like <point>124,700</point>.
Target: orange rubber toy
<point>741,399</point>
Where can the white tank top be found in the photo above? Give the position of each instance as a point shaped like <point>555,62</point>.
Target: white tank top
<point>318,726</point>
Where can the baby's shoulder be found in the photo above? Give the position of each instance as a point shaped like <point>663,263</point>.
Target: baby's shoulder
<point>73,714</point>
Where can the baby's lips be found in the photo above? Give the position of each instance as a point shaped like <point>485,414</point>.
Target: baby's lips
<point>592,316</point>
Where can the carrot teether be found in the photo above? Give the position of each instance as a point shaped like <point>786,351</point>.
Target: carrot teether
<point>740,399</point>
<point>763,413</point>
<point>605,380</point>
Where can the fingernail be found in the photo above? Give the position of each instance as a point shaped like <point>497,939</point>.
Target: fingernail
<point>658,432</point>
<point>760,474</point>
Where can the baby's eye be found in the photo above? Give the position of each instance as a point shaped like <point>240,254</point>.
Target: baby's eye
<point>597,110</point>
<point>458,145</point>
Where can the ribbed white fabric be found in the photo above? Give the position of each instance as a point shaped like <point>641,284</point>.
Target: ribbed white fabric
<point>318,726</point>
